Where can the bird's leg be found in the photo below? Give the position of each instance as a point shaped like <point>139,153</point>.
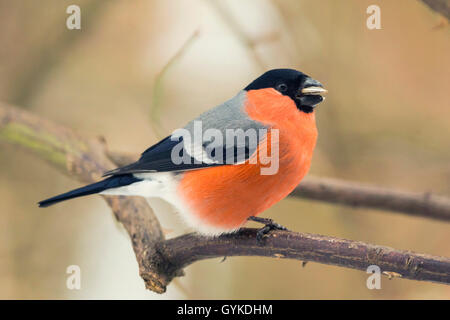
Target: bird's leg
<point>269,224</point>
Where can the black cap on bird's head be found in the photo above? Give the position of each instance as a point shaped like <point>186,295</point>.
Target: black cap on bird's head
<point>302,89</point>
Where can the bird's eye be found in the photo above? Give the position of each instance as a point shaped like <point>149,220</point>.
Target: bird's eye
<point>282,87</point>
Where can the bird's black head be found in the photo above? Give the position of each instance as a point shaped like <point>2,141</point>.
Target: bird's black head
<point>302,89</point>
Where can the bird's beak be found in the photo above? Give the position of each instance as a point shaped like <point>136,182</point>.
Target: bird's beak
<point>314,91</point>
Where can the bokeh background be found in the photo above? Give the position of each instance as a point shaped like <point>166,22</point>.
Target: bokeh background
<point>139,69</point>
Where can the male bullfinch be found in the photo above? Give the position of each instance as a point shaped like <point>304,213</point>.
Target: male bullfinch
<point>214,183</point>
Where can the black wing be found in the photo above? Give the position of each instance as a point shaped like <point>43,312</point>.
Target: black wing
<point>158,158</point>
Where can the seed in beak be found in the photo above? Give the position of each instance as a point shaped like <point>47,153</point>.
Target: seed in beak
<point>314,91</point>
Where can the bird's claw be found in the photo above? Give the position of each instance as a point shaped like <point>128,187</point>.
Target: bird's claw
<point>269,225</point>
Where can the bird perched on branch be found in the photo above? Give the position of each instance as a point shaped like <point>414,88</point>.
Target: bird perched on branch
<point>232,162</point>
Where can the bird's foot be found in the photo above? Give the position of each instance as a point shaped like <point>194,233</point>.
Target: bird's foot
<point>269,225</point>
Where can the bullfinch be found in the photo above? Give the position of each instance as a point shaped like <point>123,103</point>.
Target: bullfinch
<point>232,162</point>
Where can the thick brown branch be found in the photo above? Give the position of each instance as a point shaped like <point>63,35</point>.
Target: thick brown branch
<point>86,160</point>
<point>186,249</point>
<point>160,260</point>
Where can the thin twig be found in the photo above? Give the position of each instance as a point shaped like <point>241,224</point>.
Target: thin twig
<point>439,6</point>
<point>426,204</point>
<point>247,41</point>
<point>159,82</point>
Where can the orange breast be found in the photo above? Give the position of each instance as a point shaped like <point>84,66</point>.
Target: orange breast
<point>225,196</point>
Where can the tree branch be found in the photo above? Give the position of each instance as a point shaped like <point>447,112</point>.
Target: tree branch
<point>352,194</point>
<point>439,6</point>
<point>187,249</point>
<point>86,160</point>
<point>161,260</point>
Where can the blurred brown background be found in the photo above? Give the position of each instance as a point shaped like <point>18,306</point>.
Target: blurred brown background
<point>386,122</point>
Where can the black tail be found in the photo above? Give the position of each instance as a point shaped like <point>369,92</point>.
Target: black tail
<point>109,183</point>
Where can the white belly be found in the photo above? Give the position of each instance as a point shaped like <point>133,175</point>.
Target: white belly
<point>164,185</point>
